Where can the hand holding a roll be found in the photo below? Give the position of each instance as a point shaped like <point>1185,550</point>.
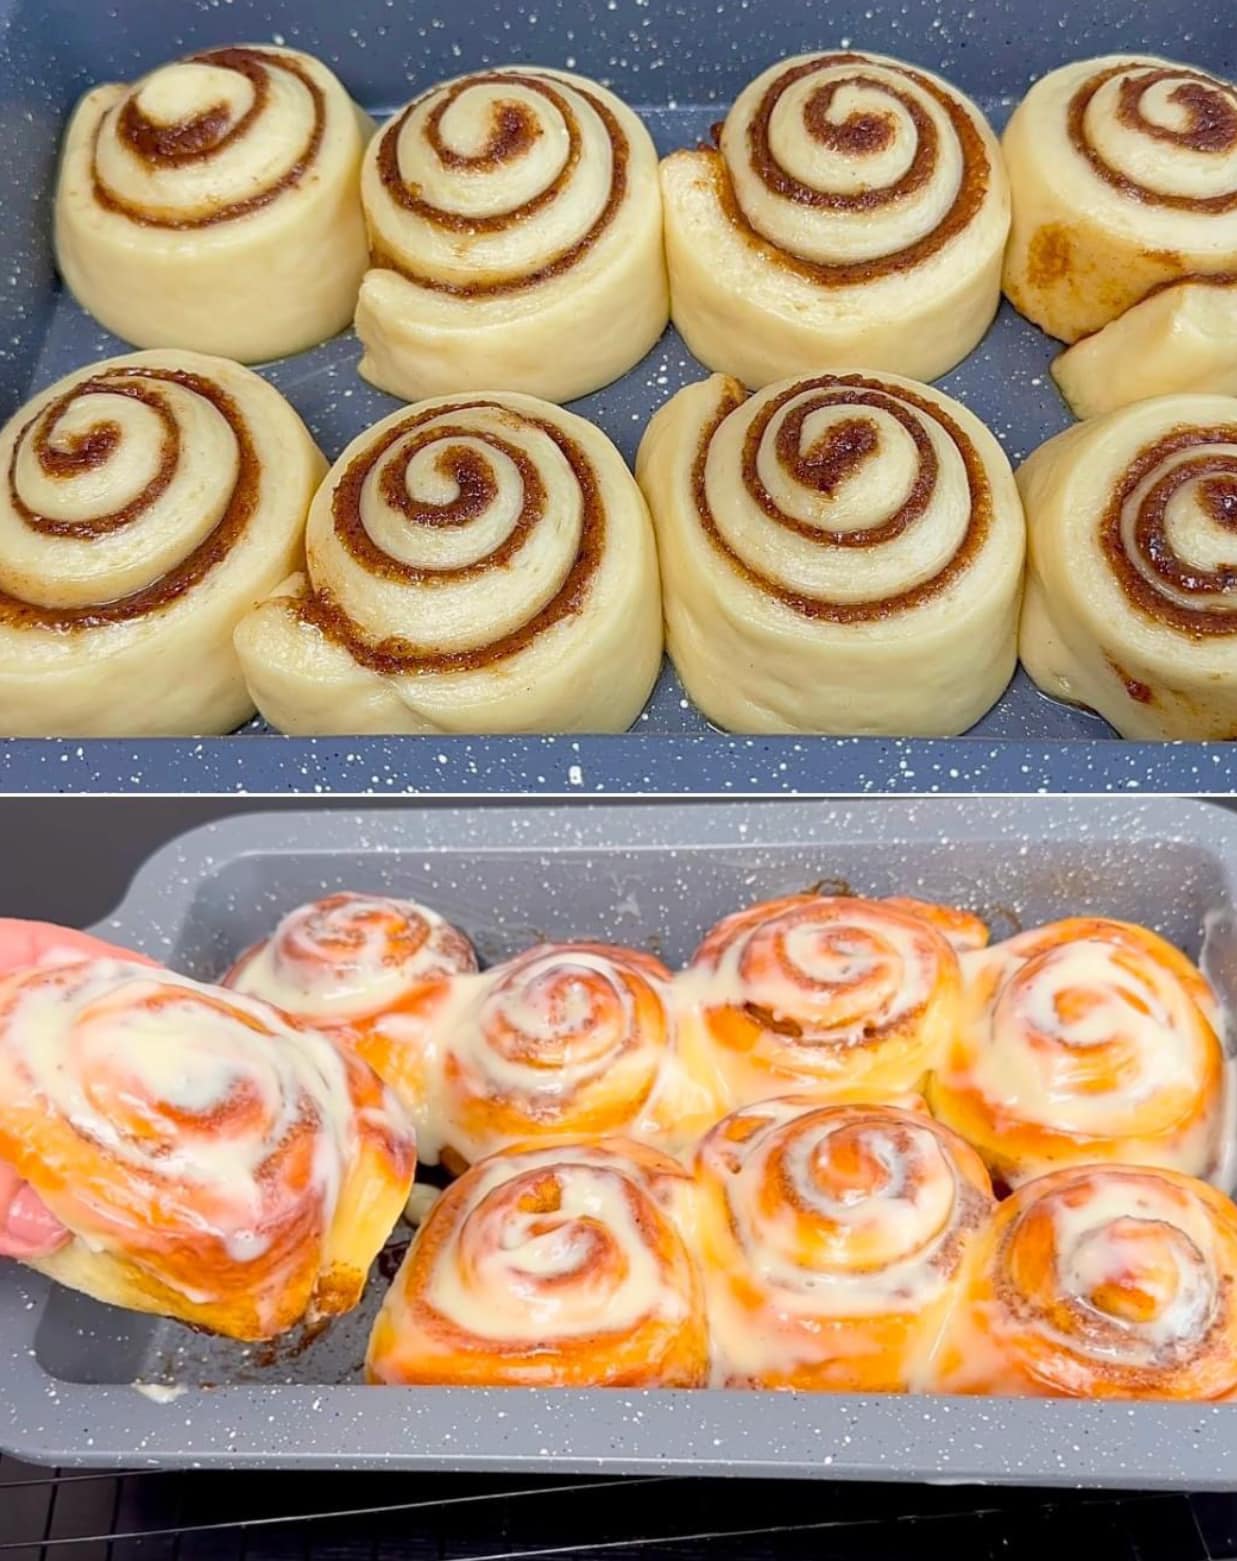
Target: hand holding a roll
<point>184,1150</point>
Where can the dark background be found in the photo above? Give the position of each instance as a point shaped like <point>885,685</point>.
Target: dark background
<point>69,860</point>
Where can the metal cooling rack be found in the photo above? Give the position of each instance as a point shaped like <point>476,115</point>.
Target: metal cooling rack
<point>69,1515</point>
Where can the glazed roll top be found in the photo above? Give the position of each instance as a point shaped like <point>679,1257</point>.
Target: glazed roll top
<point>1100,1282</point>
<point>1131,603</point>
<point>1124,175</point>
<point>550,1267</point>
<point>576,1038</point>
<point>149,501</point>
<point>845,996</point>
<point>853,216</point>
<point>1085,1040</point>
<point>207,1158</point>
<point>377,970</point>
<point>515,227</point>
<point>840,554</point>
<point>475,564</point>
<point>832,1240</point>
<point>215,204</point>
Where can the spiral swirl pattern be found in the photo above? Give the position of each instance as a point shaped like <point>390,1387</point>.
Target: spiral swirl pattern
<point>499,200</point>
<point>830,534</point>
<point>1132,601</point>
<point>841,994</point>
<point>473,565</point>
<point>554,1267</point>
<point>1085,1040</point>
<point>1124,172</point>
<point>848,191</point>
<point>832,1240</point>
<point>233,172</point>
<point>138,520</point>
<point>1100,1282</point>
<point>575,1038</point>
<point>212,1160</point>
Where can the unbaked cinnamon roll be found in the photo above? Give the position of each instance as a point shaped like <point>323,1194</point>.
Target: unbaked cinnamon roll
<point>375,971</point>
<point>475,564</point>
<point>1182,338</point>
<point>1085,1040</point>
<point>574,1039</point>
<point>840,554</point>
<point>853,216</point>
<point>148,503</point>
<point>564,1266</point>
<point>203,1156</point>
<point>1099,1282</point>
<point>215,204</point>
<point>841,996</point>
<point>515,229</point>
<point>1124,176</point>
<point>832,1240</point>
<point>1131,601</point>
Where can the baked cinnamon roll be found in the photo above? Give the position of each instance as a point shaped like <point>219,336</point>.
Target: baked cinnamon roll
<point>1099,1282</point>
<point>1085,1040</point>
<point>832,1242</point>
<point>562,1266</point>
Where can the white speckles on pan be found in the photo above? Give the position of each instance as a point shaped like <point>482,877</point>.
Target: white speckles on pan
<point>681,65</point>
<point>656,876</point>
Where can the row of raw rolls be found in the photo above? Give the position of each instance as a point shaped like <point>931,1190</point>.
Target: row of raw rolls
<point>201,1152</point>
<point>839,554</point>
<point>505,229</point>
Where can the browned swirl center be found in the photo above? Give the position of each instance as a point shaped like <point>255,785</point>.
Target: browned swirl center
<point>206,135</point>
<point>1209,128</point>
<point>828,463</point>
<point>1140,550</point>
<point>477,487</point>
<point>862,134</point>
<point>63,459</point>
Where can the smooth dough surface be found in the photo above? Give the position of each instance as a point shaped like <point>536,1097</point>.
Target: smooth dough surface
<point>1124,176</point>
<point>516,234</point>
<point>215,204</point>
<point>154,500</point>
<point>839,555</point>
<point>1183,338</point>
<point>853,216</point>
<point>475,564</point>
<point>1130,608</point>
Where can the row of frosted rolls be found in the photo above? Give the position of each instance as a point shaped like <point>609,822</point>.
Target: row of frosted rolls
<point>511,229</point>
<point>723,1176</point>
<point>838,554</point>
<point>716,1177</point>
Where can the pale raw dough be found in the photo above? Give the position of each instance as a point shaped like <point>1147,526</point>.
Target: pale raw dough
<point>475,564</point>
<point>838,256</point>
<point>1124,175</point>
<point>154,500</point>
<point>1182,338</point>
<point>1104,623</point>
<point>252,247</point>
<point>515,223</point>
<point>780,620</point>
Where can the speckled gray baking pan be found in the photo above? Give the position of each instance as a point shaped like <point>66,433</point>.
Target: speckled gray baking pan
<point>681,64</point>
<point>654,876</point>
